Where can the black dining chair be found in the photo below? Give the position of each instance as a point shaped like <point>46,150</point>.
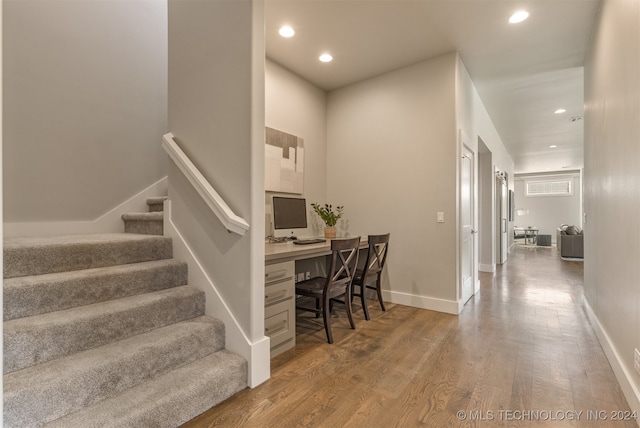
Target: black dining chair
<point>370,276</point>
<point>341,270</point>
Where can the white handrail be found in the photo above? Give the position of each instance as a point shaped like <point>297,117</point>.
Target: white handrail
<point>230,220</point>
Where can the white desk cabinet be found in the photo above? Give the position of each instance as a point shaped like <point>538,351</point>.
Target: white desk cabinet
<point>280,308</point>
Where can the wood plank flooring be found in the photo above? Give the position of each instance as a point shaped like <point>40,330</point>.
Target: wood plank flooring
<point>521,354</point>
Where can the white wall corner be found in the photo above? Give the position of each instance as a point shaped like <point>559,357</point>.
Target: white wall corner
<point>110,222</point>
<point>623,374</point>
<point>476,290</point>
<point>490,268</point>
<point>257,354</point>
<point>423,302</point>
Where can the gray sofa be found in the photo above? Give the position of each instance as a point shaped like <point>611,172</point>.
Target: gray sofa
<point>570,245</point>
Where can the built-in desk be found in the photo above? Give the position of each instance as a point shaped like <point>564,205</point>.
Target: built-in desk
<point>279,294</point>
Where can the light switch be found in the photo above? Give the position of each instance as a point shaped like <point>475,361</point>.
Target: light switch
<point>440,217</point>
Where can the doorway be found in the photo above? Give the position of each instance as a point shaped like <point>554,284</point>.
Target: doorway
<point>502,206</point>
<point>468,231</point>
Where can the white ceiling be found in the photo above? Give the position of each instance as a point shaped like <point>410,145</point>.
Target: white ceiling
<point>523,72</point>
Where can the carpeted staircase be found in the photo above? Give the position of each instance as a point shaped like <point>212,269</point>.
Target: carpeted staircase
<point>102,331</point>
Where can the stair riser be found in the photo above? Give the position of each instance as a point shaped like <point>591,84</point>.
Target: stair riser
<point>144,227</point>
<point>154,208</point>
<point>34,340</point>
<point>33,295</point>
<point>115,370</point>
<point>38,260</point>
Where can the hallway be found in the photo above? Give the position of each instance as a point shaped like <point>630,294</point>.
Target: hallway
<point>521,354</point>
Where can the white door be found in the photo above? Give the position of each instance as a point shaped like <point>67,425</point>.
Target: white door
<point>502,194</point>
<point>467,200</point>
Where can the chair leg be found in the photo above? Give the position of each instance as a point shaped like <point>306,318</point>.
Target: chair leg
<point>379,290</point>
<point>365,308</point>
<point>348,304</point>
<point>327,320</point>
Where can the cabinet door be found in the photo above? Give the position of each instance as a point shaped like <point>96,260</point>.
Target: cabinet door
<point>279,325</point>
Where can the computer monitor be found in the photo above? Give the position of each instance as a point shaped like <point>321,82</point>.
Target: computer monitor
<point>289,214</point>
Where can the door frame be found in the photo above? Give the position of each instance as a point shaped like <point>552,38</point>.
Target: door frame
<point>466,146</point>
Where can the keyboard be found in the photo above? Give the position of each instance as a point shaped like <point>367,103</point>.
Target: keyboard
<point>308,241</point>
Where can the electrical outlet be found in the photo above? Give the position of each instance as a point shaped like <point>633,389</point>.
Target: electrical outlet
<point>636,360</point>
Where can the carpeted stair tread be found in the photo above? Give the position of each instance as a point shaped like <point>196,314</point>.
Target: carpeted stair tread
<point>48,391</point>
<point>37,339</point>
<point>168,400</point>
<point>150,216</point>
<point>156,204</point>
<point>37,294</point>
<point>35,256</point>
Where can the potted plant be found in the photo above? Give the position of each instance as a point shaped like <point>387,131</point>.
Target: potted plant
<point>329,217</point>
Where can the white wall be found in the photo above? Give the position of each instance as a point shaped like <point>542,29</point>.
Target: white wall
<point>297,107</point>
<point>473,119</point>
<point>391,161</point>
<point>612,187</point>
<point>393,145</point>
<point>85,95</point>
<point>216,113</point>
<point>547,213</point>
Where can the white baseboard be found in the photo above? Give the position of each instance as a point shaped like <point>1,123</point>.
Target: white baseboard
<point>487,268</point>
<point>110,222</point>
<point>257,354</point>
<point>624,375</point>
<point>423,302</point>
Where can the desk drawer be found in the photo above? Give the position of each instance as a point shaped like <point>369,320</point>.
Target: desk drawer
<point>279,322</point>
<point>278,292</point>
<point>279,272</point>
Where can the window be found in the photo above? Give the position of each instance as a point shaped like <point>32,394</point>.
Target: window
<point>549,188</point>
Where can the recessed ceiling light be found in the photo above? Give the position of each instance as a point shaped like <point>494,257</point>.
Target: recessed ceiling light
<point>286,31</point>
<point>553,146</point>
<point>325,57</point>
<point>560,111</point>
<point>519,16</point>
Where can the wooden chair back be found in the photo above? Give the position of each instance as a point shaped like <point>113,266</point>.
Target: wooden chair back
<point>344,260</point>
<point>376,256</point>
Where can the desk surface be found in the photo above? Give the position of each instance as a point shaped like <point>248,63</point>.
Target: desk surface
<point>284,251</point>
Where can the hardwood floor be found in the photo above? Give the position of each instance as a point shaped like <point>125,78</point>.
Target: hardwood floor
<point>521,354</point>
